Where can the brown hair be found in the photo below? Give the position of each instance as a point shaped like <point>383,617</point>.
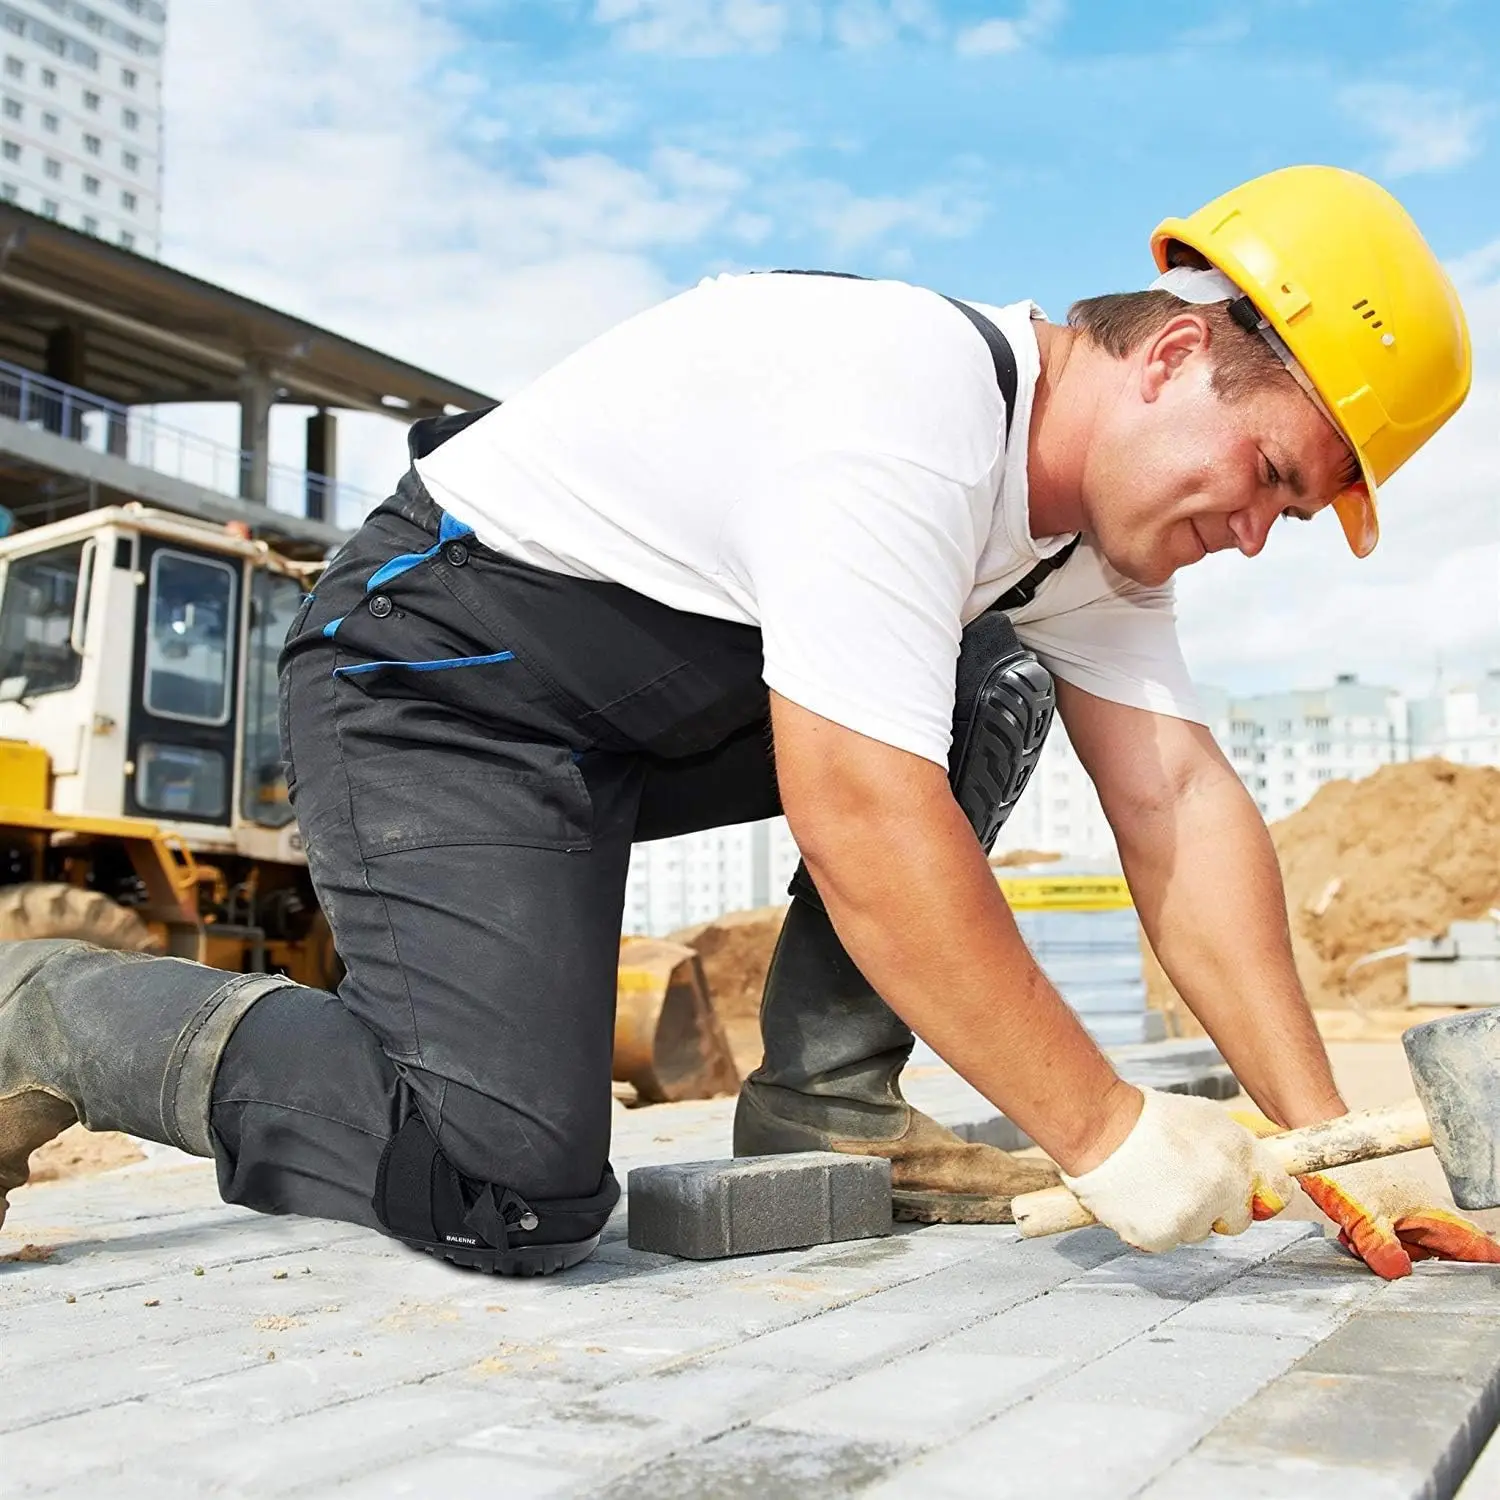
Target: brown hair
<point>1121,322</point>
<point>1243,362</point>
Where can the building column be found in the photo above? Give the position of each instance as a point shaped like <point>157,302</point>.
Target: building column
<point>67,362</point>
<point>322,465</point>
<point>256,397</point>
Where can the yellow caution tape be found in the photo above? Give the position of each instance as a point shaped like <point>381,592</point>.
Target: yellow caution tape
<point>1066,892</point>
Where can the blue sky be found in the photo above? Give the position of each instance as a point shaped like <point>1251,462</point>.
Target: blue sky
<point>1036,145</point>
<point>482,186</point>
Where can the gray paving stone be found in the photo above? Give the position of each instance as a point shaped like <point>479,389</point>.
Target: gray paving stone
<point>1063,1450</point>
<point>701,1398</point>
<point>942,1361</point>
<point>934,1394</point>
<point>1068,1326</point>
<point>747,1206</point>
<point>318,1450</point>
<point>1205,1371</point>
<point>1393,1403</point>
<point>758,1464</point>
<point>95,1444</point>
<point>842,1341</point>
<point>1483,1480</point>
<point>456,1474</point>
<point>1264,1302</point>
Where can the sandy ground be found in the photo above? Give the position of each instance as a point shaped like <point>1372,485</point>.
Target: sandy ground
<point>80,1153</point>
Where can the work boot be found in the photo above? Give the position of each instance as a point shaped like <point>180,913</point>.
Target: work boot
<point>112,1041</point>
<point>830,1081</point>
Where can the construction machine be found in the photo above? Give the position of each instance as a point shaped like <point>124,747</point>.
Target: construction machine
<point>143,803</point>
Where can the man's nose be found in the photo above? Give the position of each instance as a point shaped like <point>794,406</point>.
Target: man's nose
<point>1250,527</point>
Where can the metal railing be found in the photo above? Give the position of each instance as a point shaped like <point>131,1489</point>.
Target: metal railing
<point>137,435</point>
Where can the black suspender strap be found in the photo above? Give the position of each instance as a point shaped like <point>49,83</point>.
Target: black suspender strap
<point>1022,593</point>
<point>1000,352</point>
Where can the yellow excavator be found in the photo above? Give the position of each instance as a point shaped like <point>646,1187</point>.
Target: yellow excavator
<point>142,800</point>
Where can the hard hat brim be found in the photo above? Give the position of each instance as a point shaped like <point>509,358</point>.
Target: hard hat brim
<point>1358,515</point>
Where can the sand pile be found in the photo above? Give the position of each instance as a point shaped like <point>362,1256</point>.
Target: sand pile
<point>1370,863</point>
<point>736,952</point>
<point>80,1153</point>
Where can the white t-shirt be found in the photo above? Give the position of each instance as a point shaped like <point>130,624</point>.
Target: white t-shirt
<point>823,458</point>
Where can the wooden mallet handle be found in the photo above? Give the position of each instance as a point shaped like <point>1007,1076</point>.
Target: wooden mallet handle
<point>1361,1136</point>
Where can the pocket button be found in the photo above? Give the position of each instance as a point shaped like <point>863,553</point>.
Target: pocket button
<point>380,606</point>
<point>456,553</point>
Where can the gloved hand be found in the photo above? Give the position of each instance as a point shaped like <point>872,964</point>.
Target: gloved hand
<point>1184,1170</point>
<point>1385,1212</point>
<point>1387,1218</point>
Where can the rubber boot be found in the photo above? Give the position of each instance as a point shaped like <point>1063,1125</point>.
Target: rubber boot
<point>113,1041</point>
<point>831,1081</point>
<point>834,1051</point>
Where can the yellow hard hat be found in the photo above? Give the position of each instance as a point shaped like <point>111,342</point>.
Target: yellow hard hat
<point>1337,268</point>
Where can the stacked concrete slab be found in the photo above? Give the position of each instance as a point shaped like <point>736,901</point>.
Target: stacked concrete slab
<point>1094,959</point>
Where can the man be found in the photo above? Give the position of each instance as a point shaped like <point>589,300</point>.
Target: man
<point>882,523</point>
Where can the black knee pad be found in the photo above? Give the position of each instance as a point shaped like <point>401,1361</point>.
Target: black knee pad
<point>1003,709</point>
<point>423,1201</point>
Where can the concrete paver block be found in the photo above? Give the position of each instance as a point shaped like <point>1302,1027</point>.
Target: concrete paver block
<point>749,1205</point>
<point>1065,1450</point>
<point>936,1392</point>
<point>1392,1403</point>
<point>766,1465</point>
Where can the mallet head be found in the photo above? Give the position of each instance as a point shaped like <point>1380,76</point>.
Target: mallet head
<point>1455,1064</point>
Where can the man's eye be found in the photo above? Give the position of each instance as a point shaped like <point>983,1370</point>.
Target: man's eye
<point>1273,474</point>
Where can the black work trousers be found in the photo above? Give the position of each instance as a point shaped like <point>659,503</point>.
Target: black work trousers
<point>473,745</point>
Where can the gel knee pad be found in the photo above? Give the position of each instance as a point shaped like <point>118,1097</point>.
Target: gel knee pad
<point>999,734</point>
<point>423,1201</point>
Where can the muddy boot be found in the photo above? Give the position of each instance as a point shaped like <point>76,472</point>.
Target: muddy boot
<point>113,1041</point>
<point>831,1082</point>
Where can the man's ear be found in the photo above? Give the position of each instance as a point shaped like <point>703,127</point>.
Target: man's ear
<point>1170,349</point>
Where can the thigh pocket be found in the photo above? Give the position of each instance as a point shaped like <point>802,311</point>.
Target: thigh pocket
<point>537,806</point>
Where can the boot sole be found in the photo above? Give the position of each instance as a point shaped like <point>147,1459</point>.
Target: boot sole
<point>527,1260</point>
<point>949,1208</point>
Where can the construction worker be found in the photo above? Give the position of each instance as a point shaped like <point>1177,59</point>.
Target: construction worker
<point>829,546</point>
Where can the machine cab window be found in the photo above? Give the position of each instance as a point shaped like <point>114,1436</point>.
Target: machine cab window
<point>39,626</point>
<point>189,638</point>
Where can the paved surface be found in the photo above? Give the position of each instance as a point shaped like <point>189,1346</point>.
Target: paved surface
<point>170,1346</point>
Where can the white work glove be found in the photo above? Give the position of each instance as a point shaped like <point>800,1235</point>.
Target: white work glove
<point>1186,1169</point>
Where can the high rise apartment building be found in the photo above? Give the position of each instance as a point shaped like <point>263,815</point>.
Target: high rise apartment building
<point>80,114</point>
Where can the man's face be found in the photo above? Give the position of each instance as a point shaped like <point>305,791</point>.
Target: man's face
<point>1174,471</point>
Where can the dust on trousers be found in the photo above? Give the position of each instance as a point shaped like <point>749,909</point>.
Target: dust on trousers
<point>473,745</point>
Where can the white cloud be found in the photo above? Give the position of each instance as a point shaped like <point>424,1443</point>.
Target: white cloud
<point>1430,593</point>
<point>849,223</point>
<point>340,163</point>
<point>1002,34</point>
<point>1418,130</point>
<point>863,24</point>
<point>697,28</point>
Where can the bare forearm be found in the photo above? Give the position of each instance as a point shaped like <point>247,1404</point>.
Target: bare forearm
<point>920,912</point>
<point>1209,892</point>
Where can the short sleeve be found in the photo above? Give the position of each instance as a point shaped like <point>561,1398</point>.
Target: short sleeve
<point>859,566</point>
<point>1095,629</point>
